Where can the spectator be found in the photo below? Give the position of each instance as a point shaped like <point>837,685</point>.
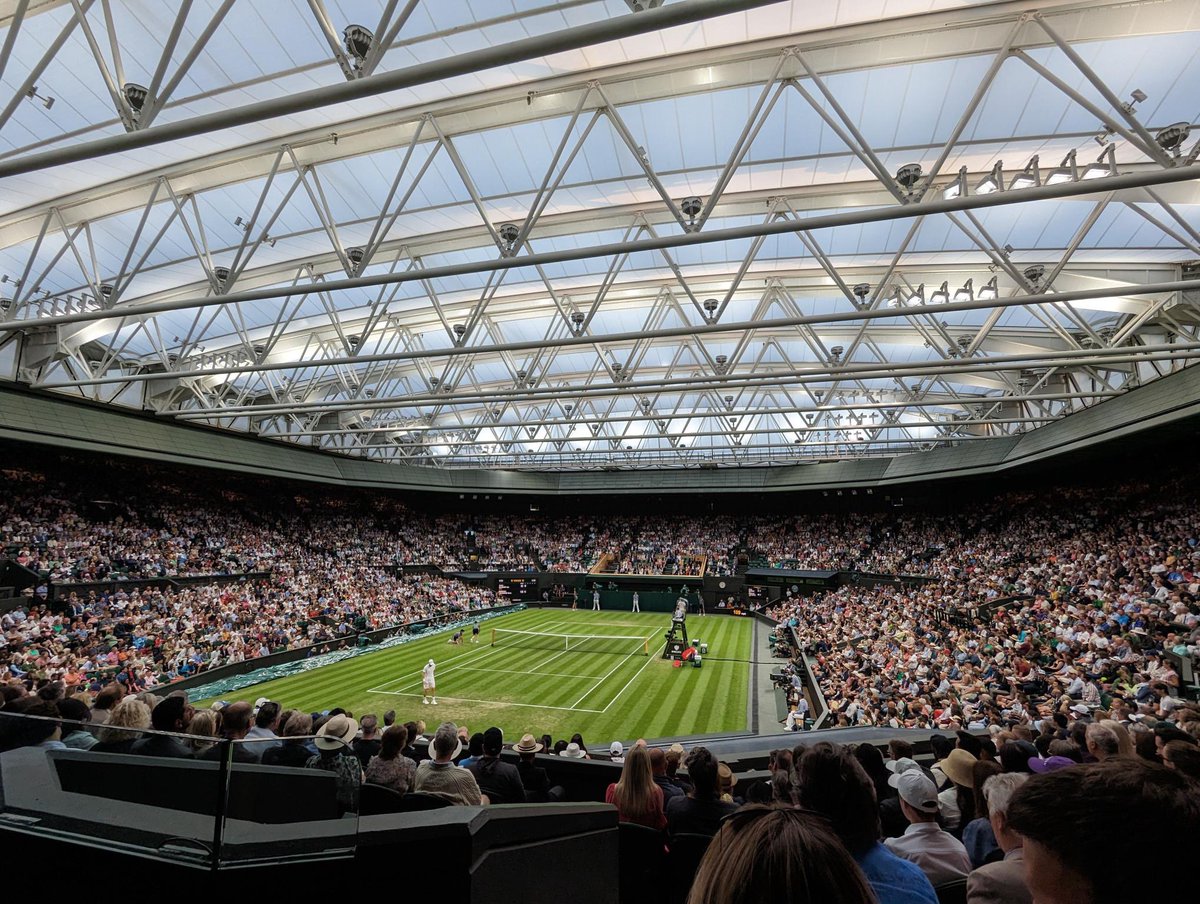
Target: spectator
<point>700,811</point>
<point>939,854</point>
<point>76,736</point>
<point>1178,755</point>
<point>871,760</point>
<point>658,770</point>
<point>977,834</point>
<point>169,718</point>
<point>637,797</point>
<point>616,752</point>
<point>1001,881</point>
<point>438,775</point>
<point>110,695</point>
<point>203,733</point>
<point>123,727</point>
<point>390,767</point>
<point>368,743</point>
<point>762,854</point>
<point>534,778</point>
<point>956,802</point>
<point>834,785</point>
<point>263,735</point>
<point>335,754</point>
<point>294,749</point>
<point>474,750</point>
<point>1069,815</point>
<point>1101,742</point>
<point>233,727</point>
<point>500,781</point>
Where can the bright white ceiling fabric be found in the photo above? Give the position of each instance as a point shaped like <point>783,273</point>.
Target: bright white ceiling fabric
<point>784,113</point>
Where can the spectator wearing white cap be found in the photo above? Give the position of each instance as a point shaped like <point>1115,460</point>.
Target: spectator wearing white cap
<point>616,752</point>
<point>939,854</point>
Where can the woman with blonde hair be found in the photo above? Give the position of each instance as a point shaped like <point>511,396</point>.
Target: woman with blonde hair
<point>778,854</point>
<point>1124,738</point>
<point>123,726</point>
<point>203,729</point>
<point>636,796</point>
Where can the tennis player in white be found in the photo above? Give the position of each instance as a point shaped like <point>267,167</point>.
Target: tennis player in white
<point>429,685</point>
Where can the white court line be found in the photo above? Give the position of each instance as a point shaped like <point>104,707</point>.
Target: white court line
<point>467,668</point>
<point>613,669</point>
<point>627,683</point>
<point>492,702</point>
<point>441,672</point>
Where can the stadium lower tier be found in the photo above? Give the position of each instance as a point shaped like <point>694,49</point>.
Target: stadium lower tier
<point>547,671</point>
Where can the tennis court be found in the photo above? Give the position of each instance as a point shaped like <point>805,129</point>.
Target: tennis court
<point>552,670</point>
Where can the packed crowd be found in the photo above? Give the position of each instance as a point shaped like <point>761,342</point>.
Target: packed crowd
<point>1069,608</point>
<point>145,638</point>
<point>1017,813</point>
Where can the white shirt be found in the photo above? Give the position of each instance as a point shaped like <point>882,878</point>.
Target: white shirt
<point>427,673</point>
<point>940,855</point>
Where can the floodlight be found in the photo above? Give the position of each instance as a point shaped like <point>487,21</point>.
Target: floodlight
<point>1100,169</point>
<point>993,181</point>
<point>940,295</point>
<point>989,291</point>
<point>966,293</point>
<point>691,206</point>
<point>861,291</point>
<point>1029,177</point>
<point>958,187</point>
<point>460,329</point>
<point>1034,273</point>
<point>1067,171</point>
<point>355,255</point>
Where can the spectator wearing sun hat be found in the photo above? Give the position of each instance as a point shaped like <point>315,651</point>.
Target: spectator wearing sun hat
<point>940,855</point>
<point>535,779</point>
<point>956,801</point>
<point>573,752</point>
<point>335,754</point>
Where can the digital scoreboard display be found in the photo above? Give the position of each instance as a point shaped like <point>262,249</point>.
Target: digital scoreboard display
<point>517,590</point>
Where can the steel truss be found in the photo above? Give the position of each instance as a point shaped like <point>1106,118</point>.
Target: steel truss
<point>348,358</point>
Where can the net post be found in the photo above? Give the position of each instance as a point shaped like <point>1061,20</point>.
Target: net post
<point>493,643</point>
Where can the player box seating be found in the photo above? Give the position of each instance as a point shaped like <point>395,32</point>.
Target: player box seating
<point>262,794</point>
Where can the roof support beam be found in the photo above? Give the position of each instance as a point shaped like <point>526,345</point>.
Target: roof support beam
<point>875,215</point>
<point>448,67</point>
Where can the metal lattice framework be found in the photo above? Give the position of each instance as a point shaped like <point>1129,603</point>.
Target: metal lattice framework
<point>592,235</point>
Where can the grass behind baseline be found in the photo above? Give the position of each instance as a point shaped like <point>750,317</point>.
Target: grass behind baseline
<point>544,688</point>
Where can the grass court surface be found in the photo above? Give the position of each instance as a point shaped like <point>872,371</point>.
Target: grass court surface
<point>605,689</point>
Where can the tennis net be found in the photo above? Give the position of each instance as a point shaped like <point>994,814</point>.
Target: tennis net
<point>574,643</point>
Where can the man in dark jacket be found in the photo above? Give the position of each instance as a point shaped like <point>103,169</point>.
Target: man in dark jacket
<point>498,780</point>
<point>533,777</point>
<point>171,714</point>
<point>658,767</point>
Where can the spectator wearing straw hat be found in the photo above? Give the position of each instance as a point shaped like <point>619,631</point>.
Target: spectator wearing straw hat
<point>438,775</point>
<point>534,778</point>
<point>335,754</point>
<point>956,802</point>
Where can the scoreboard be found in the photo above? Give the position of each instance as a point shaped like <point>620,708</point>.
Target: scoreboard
<point>517,590</point>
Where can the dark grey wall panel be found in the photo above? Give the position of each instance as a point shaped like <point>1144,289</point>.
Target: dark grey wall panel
<point>58,421</point>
